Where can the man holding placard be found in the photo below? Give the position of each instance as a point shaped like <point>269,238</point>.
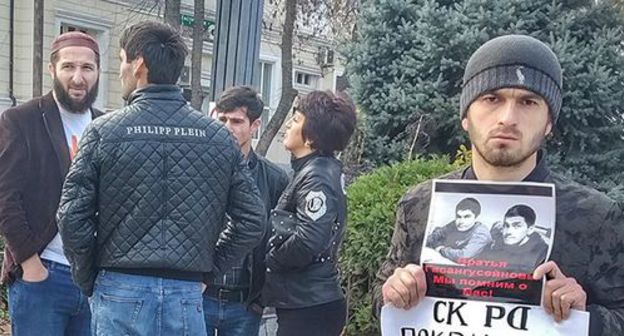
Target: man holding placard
<point>511,98</point>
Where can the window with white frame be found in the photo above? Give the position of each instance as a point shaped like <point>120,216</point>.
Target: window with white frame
<point>306,81</point>
<point>266,81</point>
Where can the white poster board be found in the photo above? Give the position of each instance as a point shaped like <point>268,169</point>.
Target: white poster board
<point>482,243</point>
<point>449,317</point>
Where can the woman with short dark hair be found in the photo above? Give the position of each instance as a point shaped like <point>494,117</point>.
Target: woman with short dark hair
<point>309,221</point>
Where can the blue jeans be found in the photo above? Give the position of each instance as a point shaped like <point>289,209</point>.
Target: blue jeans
<point>230,318</point>
<point>126,304</point>
<point>52,307</point>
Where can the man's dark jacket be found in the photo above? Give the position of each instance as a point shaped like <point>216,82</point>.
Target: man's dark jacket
<point>271,181</point>
<point>148,191</point>
<point>460,244</point>
<point>588,243</point>
<point>34,159</point>
<point>309,223</point>
<point>521,257</point>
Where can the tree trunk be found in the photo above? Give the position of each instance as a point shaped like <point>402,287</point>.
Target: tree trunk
<point>197,94</point>
<point>288,92</point>
<point>38,49</point>
<point>172,13</point>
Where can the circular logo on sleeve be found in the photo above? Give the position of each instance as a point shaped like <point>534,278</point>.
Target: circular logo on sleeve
<point>315,204</point>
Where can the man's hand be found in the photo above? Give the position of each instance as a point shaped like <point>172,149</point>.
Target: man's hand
<point>33,270</point>
<point>406,287</point>
<point>561,293</point>
<point>439,248</point>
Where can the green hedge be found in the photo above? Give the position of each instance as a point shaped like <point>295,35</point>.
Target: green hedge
<point>372,201</point>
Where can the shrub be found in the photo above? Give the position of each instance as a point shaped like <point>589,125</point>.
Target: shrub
<point>371,212</point>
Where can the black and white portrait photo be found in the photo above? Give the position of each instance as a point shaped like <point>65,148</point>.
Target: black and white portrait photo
<point>510,223</point>
<point>484,240</point>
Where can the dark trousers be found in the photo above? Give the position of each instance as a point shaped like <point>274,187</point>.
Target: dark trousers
<point>226,318</point>
<point>322,320</point>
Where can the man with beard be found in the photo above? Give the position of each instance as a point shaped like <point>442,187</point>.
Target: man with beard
<point>510,100</point>
<point>37,143</point>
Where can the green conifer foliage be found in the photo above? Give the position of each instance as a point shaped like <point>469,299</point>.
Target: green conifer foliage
<point>408,58</point>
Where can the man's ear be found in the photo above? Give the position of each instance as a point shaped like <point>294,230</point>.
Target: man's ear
<point>255,125</point>
<point>549,128</point>
<point>138,66</point>
<point>464,123</point>
<point>51,70</point>
<point>531,229</point>
<point>214,114</point>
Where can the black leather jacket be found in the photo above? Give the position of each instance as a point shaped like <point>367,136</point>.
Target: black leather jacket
<point>271,181</point>
<point>148,191</point>
<point>309,225</point>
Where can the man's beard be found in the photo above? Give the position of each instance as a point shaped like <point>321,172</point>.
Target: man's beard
<point>507,157</point>
<point>69,103</point>
<point>504,157</point>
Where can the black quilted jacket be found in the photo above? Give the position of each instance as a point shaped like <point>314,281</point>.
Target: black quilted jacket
<point>148,191</point>
<point>309,223</point>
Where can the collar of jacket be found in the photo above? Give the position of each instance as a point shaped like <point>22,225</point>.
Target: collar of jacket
<point>54,126</point>
<point>252,159</point>
<point>298,164</point>
<point>540,173</point>
<point>156,91</point>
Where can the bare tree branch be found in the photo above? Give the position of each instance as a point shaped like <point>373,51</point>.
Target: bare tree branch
<point>197,93</point>
<point>172,13</point>
<point>288,92</point>
<point>37,81</point>
<point>411,151</point>
<point>303,21</point>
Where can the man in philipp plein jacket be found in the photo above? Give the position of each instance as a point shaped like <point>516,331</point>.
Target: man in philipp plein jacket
<point>143,207</point>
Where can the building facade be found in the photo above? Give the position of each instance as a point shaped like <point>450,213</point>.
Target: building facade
<point>313,60</point>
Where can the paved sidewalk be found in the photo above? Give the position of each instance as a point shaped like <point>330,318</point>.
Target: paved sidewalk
<point>268,327</point>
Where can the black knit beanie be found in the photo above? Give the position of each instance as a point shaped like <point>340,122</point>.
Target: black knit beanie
<point>513,61</point>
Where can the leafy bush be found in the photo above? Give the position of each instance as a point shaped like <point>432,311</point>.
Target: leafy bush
<point>371,209</point>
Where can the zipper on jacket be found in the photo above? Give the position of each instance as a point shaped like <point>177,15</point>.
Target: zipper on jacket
<point>164,216</point>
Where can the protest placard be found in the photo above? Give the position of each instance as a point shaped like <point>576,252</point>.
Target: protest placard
<point>484,240</point>
<point>449,317</point>
<point>482,243</point>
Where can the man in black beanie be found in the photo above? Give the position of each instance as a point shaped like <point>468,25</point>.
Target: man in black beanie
<point>510,101</point>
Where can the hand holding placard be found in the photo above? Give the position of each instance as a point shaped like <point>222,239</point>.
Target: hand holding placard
<point>405,287</point>
<point>561,294</point>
